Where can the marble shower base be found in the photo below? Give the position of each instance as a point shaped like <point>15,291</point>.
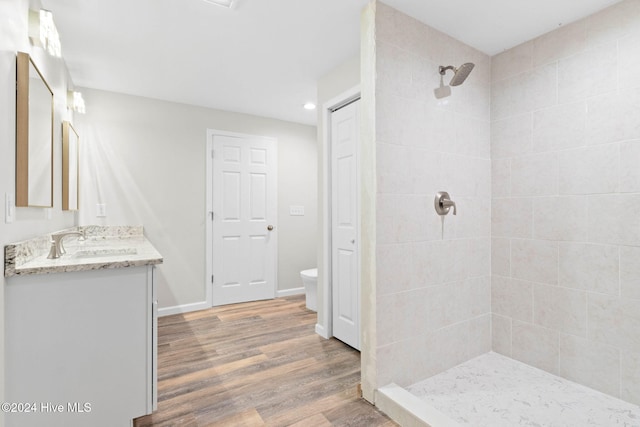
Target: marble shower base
<point>493,390</point>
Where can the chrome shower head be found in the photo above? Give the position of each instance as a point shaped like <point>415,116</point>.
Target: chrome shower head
<point>460,74</point>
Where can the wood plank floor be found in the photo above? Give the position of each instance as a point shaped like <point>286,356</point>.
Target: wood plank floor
<point>256,364</point>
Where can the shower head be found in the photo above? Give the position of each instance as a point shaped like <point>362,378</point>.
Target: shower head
<point>460,74</point>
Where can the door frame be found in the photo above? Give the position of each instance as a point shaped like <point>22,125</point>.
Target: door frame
<point>324,328</point>
<point>209,210</point>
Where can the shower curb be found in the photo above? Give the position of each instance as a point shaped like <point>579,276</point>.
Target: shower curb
<point>409,410</point>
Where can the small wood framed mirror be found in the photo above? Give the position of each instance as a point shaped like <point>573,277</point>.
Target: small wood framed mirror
<point>34,136</point>
<point>70,167</point>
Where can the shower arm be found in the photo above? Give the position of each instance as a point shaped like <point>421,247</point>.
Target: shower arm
<point>443,70</point>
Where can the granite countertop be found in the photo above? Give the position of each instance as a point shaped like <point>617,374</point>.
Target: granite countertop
<point>104,248</point>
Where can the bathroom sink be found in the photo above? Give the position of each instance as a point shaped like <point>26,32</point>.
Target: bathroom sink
<point>98,253</point>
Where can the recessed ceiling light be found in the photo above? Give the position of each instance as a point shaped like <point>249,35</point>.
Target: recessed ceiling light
<point>309,106</point>
<point>223,3</point>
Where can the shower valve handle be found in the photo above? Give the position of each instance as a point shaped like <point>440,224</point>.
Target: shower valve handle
<point>443,203</point>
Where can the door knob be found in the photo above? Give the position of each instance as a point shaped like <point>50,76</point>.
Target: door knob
<point>270,227</point>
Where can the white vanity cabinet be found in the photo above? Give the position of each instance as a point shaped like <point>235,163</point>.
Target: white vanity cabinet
<point>81,347</point>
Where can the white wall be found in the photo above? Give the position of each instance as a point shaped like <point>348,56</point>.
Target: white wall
<point>29,222</point>
<point>145,159</point>
<point>339,80</point>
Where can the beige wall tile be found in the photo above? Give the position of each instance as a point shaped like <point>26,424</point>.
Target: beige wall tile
<point>501,334</point>
<point>441,306</point>
<point>613,219</point>
<point>534,175</point>
<point>535,345</point>
<point>511,136</point>
<point>560,309</point>
<point>428,269</point>
<point>425,171</point>
<point>501,257</point>
<point>394,268</point>
<point>589,170</point>
<point>534,260</point>
<point>614,321</point>
<point>590,267</point>
<point>629,53</point>
<point>451,344</point>
<point>393,173</point>
<point>501,177</point>
<point>416,308</point>
<point>473,219</point>
<point>525,92</point>
<point>560,218</point>
<point>629,170</point>
<point>393,66</point>
<point>565,41</point>
<point>512,298</point>
<point>479,335</point>
<point>424,362</point>
<point>474,297</point>
<point>630,377</point>
<point>607,25</point>
<point>594,365</point>
<point>630,272</point>
<point>631,17</point>
<point>559,127</point>
<point>613,117</point>
<point>479,263</point>
<point>512,217</point>
<point>587,73</point>
<point>439,128</point>
<point>512,62</point>
<point>387,323</point>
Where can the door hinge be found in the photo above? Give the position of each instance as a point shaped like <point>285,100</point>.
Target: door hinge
<point>212,215</point>
<point>212,278</point>
<point>213,154</point>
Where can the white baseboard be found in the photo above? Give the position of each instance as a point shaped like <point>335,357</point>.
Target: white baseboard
<point>203,305</point>
<point>320,330</point>
<point>289,292</point>
<point>185,308</point>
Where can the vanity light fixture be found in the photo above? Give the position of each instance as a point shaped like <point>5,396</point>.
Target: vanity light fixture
<point>309,106</point>
<point>224,3</point>
<point>43,32</point>
<point>75,101</point>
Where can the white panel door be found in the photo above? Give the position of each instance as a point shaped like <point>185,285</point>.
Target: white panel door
<point>244,219</point>
<point>345,264</point>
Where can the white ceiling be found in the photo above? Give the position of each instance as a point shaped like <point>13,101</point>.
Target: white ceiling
<point>263,57</point>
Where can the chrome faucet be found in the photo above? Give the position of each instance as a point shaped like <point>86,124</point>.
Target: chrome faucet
<point>57,247</point>
<point>443,203</point>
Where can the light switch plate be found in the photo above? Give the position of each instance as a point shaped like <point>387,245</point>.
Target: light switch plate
<point>296,210</point>
<point>101,210</point>
<point>9,208</point>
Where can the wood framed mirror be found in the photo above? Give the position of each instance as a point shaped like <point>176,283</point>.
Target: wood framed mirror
<point>34,136</point>
<point>70,167</point>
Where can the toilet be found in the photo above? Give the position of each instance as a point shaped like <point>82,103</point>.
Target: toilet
<point>310,281</point>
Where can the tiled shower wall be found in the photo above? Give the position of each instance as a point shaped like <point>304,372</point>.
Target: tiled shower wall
<point>565,145</point>
<point>433,275</point>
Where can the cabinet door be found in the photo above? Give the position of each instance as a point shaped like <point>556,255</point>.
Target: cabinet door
<point>76,338</point>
